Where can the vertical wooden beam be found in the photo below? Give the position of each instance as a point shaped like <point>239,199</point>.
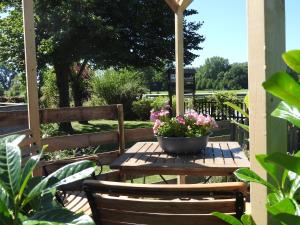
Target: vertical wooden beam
<point>179,56</point>
<point>31,73</point>
<point>121,130</point>
<point>266,36</point>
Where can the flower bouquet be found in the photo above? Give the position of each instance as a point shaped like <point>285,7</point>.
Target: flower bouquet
<point>182,134</point>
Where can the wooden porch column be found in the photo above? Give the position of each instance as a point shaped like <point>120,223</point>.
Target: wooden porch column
<point>266,36</point>
<point>178,7</point>
<point>31,73</point>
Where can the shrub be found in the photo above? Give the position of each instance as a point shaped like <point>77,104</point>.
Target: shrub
<point>49,90</point>
<point>122,86</point>
<point>142,108</point>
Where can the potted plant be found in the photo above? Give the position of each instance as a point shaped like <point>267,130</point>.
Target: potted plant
<point>187,134</point>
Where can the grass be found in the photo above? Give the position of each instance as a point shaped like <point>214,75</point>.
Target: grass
<point>108,125</point>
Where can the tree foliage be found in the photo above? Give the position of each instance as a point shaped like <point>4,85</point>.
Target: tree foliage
<point>217,73</point>
<point>104,34</point>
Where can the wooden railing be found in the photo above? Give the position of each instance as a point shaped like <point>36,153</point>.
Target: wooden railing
<point>217,110</point>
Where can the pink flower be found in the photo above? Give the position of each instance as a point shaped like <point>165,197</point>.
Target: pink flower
<point>154,115</point>
<point>157,125</point>
<point>164,112</point>
<point>192,114</point>
<point>201,120</point>
<point>180,119</point>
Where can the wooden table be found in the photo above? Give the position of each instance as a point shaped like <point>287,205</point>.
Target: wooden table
<point>147,158</point>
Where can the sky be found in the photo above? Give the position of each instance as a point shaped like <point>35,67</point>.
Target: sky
<point>225,28</point>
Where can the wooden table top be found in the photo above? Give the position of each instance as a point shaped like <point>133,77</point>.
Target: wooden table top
<point>147,158</point>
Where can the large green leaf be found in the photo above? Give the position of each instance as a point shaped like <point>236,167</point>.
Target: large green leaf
<point>241,125</point>
<point>295,179</point>
<point>39,222</point>
<point>272,169</point>
<point>246,101</point>
<point>62,215</point>
<point>5,197</point>
<point>248,175</point>
<point>67,174</point>
<point>292,59</point>
<point>287,112</point>
<point>288,219</point>
<point>283,86</point>
<point>28,170</point>
<point>284,206</point>
<point>5,218</point>
<point>236,108</point>
<point>246,219</point>
<point>10,163</point>
<point>227,218</point>
<point>288,162</point>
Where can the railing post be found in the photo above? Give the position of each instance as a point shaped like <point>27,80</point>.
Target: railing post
<point>121,131</point>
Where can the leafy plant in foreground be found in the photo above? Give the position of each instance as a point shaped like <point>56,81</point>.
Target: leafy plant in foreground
<point>284,170</point>
<point>25,199</point>
<point>240,110</point>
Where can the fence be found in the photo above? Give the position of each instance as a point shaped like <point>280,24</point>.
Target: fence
<point>217,110</point>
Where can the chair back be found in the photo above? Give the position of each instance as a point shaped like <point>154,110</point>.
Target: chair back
<point>115,203</point>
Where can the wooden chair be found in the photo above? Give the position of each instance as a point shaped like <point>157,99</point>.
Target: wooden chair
<point>114,203</point>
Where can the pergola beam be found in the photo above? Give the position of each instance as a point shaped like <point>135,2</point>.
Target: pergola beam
<point>266,36</point>
<point>31,71</point>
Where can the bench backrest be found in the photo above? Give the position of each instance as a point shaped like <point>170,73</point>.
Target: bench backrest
<point>125,203</point>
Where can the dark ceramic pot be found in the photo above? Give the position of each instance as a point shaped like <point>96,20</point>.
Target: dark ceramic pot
<point>183,145</point>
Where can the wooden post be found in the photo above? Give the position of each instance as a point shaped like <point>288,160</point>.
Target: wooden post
<point>266,30</point>
<point>31,73</point>
<point>178,7</point>
<point>179,51</point>
<point>121,128</point>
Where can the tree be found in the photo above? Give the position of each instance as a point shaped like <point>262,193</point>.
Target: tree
<point>237,77</point>
<point>218,74</point>
<point>6,77</point>
<point>209,72</point>
<point>105,33</point>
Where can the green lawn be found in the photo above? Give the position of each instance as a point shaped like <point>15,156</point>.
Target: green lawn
<point>107,125</point>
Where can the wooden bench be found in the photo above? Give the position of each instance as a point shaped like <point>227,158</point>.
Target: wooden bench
<point>115,203</point>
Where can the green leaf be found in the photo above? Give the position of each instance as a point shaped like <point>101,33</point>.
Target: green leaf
<point>246,101</point>
<point>27,171</point>
<point>243,126</point>
<point>248,175</point>
<point>288,219</point>
<point>288,162</point>
<point>5,217</point>
<point>274,198</point>
<point>292,59</point>
<point>295,179</point>
<point>10,163</point>
<point>284,206</point>
<point>237,108</point>
<point>227,218</point>
<point>246,219</point>
<point>271,168</point>
<point>39,222</point>
<point>67,174</point>
<point>283,86</point>
<point>62,215</point>
<point>287,112</point>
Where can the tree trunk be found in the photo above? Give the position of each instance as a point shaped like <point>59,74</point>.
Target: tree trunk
<point>62,79</point>
<point>77,87</point>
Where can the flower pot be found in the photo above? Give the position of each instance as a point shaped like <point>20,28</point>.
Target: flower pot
<point>183,145</point>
